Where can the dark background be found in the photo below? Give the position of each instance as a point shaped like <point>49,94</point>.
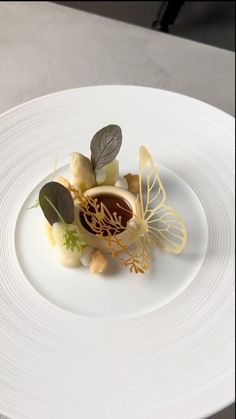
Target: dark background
<point>210,22</point>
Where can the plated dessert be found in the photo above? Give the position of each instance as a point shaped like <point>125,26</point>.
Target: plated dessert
<point>98,212</point>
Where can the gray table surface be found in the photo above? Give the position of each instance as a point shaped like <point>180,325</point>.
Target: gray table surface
<point>46,48</point>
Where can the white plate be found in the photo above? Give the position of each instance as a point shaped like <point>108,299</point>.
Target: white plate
<point>76,345</point>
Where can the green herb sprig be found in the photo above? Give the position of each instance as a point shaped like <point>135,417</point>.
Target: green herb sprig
<point>71,238</point>
<point>73,241</point>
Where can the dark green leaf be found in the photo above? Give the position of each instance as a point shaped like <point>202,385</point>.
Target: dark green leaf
<point>105,146</point>
<point>53,194</point>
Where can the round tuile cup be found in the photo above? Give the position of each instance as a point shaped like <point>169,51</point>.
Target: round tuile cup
<point>128,236</point>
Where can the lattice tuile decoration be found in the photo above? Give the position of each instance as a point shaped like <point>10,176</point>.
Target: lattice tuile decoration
<point>154,223</point>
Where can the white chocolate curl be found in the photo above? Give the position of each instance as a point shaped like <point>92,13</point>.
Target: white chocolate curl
<point>81,171</point>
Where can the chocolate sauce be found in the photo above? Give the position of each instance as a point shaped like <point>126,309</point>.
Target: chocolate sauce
<point>111,201</point>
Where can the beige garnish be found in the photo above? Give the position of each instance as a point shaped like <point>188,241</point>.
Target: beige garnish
<point>49,233</point>
<point>133,183</point>
<point>98,262</point>
<point>62,181</point>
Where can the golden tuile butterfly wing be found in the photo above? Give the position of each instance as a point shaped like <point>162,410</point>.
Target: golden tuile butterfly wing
<point>156,223</point>
<point>164,226</point>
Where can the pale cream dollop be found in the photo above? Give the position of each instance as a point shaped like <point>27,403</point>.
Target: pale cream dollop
<point>86,254</point>
<point>66,257</point>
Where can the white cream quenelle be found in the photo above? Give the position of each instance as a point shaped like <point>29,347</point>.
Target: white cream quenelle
<point>87,256</point>
<point>66,257</point>
<point>81,169</point>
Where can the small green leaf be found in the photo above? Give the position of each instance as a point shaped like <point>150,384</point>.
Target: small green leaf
<point>35,204</point>
<point>56,203</point>
<point>105,146</point>
<point>73,240</point>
